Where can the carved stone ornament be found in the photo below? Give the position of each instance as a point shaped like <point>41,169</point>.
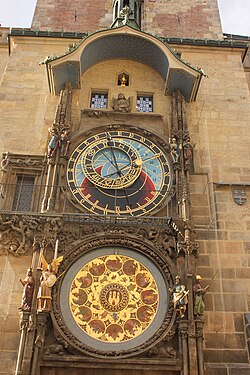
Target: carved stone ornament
<point>19,160</point>
<point>20,232</point>
<point>164,348</point>
<point>121,104</point>
<point>188,248</point>
<point>239,196</point>
<point>97,245</point>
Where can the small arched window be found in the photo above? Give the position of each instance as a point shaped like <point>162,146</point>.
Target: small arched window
<point>136,11</point>
<point>123,79</point>
<point>116,12</point>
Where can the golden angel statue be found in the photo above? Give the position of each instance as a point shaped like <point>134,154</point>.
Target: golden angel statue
<point>47,280</point>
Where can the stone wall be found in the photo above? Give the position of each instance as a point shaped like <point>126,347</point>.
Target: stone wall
<point>218,125</point>
<point>218,122</point>
<point>12,269</point>
<point>187,19</point>
<point>81,16</point>
<point>27,109</point>
<point>190,18</point>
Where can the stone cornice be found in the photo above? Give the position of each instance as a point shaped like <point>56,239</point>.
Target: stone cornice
<point>227,43</point>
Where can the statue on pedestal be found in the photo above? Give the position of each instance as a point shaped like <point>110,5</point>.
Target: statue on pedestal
<point>47,280</point>
<point>28,284</point>
<point>180,297</point>
<point>199,305</point>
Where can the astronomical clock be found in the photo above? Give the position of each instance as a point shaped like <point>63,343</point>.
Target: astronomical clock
<point>113,297</point>
<point>115,218</point>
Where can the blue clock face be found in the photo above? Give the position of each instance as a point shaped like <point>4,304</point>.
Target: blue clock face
<point>119,173</point>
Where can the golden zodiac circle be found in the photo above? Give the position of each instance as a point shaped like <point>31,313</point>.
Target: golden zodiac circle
<point>113,298</point>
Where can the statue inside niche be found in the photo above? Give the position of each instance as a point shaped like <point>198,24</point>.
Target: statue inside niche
<point>28,284</point>
<point>180,297</point>
<point>187,153</point>
<point>123,79</point>
<point>125,13</point>
<point>121,104</point>
<point>53,142</point>
<point>199,292</point>
<point>175,150</point>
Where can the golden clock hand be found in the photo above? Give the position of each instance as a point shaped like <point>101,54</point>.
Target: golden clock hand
<point>109,160</point>
<point>122,169</point>
<point>137,163</point>
<point>115,161</point>
<point>151,157</point>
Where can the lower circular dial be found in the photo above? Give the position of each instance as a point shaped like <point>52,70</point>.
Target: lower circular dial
<point>114,298</point>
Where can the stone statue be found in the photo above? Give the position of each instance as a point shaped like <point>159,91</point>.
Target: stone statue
<point>53,143</point>
<point>123,80</point>
<point>180,297</point>
<point>28,290</point>
<point>175,151</point>
<point>125,13</point>
<point>121,104</point>
<point>187,153</point>
<point>47,280</point>
<point>199,305</point>
<point>64,143</point>
<point>44,292</point>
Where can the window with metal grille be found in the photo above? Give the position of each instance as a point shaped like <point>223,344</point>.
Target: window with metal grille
<point>99,100</point>
<point>23,193</point>
<point>144,103</point>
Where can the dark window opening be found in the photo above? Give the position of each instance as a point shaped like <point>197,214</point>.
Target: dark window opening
<point>23,193</point>
<point>123,79</point>
<point>116,10</point>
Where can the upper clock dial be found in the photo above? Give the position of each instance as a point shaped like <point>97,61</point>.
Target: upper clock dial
<point>111,164</point>
<point>119,172</point>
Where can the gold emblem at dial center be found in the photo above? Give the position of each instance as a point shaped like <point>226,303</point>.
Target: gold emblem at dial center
<point>114,297</point>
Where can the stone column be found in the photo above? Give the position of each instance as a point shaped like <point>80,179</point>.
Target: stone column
<point>183,334</point>
<point>39,342</point>
<point>29,345</point>
<point>24,322</point>
<point>199,343</point>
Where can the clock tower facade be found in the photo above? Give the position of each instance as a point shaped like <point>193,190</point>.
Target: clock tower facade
<point>118,192</point>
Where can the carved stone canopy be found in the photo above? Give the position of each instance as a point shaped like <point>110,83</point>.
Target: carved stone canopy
<point>124,43</point>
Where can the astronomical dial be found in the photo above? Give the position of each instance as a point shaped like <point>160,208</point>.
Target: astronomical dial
<point>120,164</point>
<point>119,173</point>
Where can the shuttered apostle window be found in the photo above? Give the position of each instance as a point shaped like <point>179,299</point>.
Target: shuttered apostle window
<point>99,100</point>
<point>144,103</point>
